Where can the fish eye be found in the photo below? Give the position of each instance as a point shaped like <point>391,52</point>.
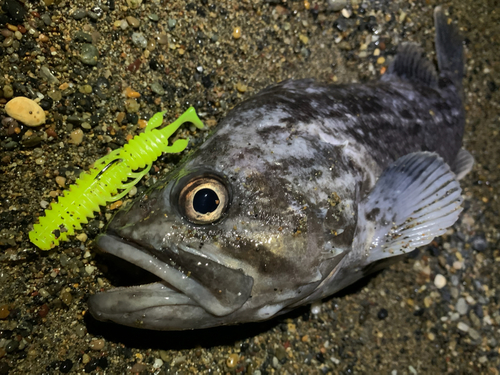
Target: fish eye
<point>203,200</point>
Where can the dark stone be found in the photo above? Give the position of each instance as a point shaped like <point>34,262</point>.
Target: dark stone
<point>478,242</point>
<point>382,314</point>
<point>66,366</point>
<point>15,10</point>
<point>132,118</point>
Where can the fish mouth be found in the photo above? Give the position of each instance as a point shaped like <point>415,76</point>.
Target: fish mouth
<point>191,286</point>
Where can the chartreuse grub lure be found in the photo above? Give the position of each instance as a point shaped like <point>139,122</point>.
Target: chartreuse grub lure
<point>109,180</point>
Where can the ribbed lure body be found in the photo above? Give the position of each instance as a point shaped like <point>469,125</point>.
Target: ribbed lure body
<point>109,180</point>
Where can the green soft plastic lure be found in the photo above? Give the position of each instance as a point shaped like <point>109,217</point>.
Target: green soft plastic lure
<point>108,180</point>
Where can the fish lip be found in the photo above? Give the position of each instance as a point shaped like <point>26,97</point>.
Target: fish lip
<point>177,282</point>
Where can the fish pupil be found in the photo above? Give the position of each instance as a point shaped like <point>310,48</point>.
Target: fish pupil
<point>205,201</point>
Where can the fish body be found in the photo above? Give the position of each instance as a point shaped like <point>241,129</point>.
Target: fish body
<point>299,192</point>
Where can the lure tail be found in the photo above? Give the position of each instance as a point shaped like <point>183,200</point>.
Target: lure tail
<point>110,180</point>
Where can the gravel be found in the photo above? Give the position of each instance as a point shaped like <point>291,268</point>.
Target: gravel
<point>77,59</point>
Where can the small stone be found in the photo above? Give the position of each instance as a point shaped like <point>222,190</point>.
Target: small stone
<point>346,12</point>
<point>79,14</point>
<point>382,314</point>
<point>80,330</point>
<point>232,360</point>
<point>241,87</point>
<point>48,76</point>
<point>478,242</point>
<point>8,91</point>
<point>66,298</point>
<point>85,358</point>
<point>440,281</point>
<point>171,23</point>
<point>134,4</point>
<point>26,111</point>
<point>76,136</point>
<point>89,54</point>
<point>66,366</point>
<point>157,88</point>
<point>97,344</point>
<point>463,327</point>
<point>131,93</point>
<point>138,367</point>
<point>12,346</point>
<point>237,32</point>
<point>154,17</point>
<point>473,334</point>
<point>381,60</point>
<point>336,5</point>
<point>461,306</point>
<point>134,22</point>
<point>157,363</point>
<point>4,311</point>
<point>139,40</point>
<point>132,106</point>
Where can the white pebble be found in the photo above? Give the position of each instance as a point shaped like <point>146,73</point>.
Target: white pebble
<point>439,281</point>
<point>463,327</point>
<point>316,308</point>
<point>89,269</point>
<point>158,363</point>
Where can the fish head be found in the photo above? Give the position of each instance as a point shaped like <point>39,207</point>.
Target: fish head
<point>236,233</point>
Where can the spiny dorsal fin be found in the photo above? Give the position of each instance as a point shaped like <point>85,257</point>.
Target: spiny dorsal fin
<point>411,64</point>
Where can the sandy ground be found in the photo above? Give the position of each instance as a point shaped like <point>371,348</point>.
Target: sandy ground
<point>213,56</point>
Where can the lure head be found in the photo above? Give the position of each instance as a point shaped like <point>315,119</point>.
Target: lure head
<point>234,234</point>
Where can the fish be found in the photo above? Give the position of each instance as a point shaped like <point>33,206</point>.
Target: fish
<point>300,191</point>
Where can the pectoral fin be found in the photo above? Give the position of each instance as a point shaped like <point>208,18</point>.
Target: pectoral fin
<point>415,199</point>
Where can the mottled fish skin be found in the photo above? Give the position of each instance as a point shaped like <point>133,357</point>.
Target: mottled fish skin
<point>297,159</point>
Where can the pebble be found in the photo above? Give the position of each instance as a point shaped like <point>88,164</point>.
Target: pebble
<point>89,54</point>
<point>463,327</point>
<point>336,5</point>
<point>440,281</point>
<point>85,358</point>
<point>232,360</point>
<point>139,40</point>
<point>48,76</point>
<point>462,306</point>
<point>134,22</point>
<point>157,88</point>
<point>138,368</point>
<point>76,136</point>
<point>157,363</point>
<point>26,111</point>
<point>79,14</point>
<point>171,23</point>
<point>381,60</point>
<point>237,32</point>
<point>66,298</point>
<point>473,334</point>
<point>4,311</point>
<point>241,87</point>
<point>97,344</point>
<point>382,314</point>
<point>12,346</point>
<point>80,330</point>
<point>478,242</point>
<point>66,366</point>
<point>134,4</point>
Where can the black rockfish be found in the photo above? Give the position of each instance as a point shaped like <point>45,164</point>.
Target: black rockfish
<point>298,193</point>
